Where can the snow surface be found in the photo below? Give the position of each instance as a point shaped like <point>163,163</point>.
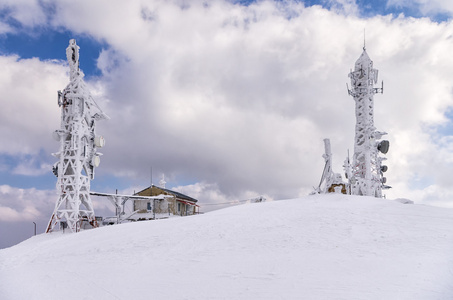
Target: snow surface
<point>317,247</point>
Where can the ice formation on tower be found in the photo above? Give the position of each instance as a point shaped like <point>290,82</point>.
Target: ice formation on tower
<point>330,182</point>
<point>78,156</point>
<point>365,175</point>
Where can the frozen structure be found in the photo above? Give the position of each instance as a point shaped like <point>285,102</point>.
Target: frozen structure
<point>330,182</point>
<point>119,202</point>
<point>365,175</point>
<point>78,156</point>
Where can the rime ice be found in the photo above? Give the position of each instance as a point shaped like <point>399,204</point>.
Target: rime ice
<point>366,173</point>
<point>78,144</point>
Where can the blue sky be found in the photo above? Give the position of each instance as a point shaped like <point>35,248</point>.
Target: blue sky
<point>45,45</point>
<point>228,100</point>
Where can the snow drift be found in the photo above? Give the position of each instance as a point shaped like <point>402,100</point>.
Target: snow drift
<point>317,247</point>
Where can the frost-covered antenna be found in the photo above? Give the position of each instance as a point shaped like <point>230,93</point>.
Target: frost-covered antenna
<point>366,172</point>
<point>330,182</point>
<point>162,181</point>
<point>78,156</point>
<point>364,40</point>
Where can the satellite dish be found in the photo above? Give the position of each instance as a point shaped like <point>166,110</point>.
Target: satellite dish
<point>96,161</point>
<point>384,168</point>
<point>384,180</point>
<point>55,169</point>
<point>99,141</point>
<point>383,146</point>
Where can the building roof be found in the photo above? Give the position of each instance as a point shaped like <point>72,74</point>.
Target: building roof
<point>176,194</point>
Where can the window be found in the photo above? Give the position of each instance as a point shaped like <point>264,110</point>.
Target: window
<point>148,206</point>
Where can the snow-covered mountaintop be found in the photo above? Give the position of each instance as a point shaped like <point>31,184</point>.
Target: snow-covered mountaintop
<point>317,247</point>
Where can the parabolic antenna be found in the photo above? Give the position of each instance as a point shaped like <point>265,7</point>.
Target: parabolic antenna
<point>96,161</point>
<point>384,146</point>
<point>99,141</point>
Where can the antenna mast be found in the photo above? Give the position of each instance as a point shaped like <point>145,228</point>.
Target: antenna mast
<point>78,156</point>
<point>366,173</point>
<point>364,40</point>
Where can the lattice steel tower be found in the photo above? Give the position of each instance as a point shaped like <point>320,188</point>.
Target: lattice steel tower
<point>77,155</point>
<point>365,175</point>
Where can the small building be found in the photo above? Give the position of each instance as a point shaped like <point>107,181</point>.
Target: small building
<point>176,205</point>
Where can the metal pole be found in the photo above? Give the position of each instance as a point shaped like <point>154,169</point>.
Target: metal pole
<point>35,227</point>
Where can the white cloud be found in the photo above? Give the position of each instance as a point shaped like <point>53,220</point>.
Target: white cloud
<point>213,198</point>
<point>29,114</point>
<point>425,7</point>
<point>238,99</point>
<point>31,167</point>
<point>17,204</point>
<point>346,7</point>
<point>29,13</point>
<point>5,28</point>
<point>25,204</point>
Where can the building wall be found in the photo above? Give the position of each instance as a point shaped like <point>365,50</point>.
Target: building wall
<point>169,205</point>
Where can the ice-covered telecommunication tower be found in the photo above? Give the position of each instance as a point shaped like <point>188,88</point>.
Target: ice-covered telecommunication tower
<point>365,175</point>
<point>77,157</point>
